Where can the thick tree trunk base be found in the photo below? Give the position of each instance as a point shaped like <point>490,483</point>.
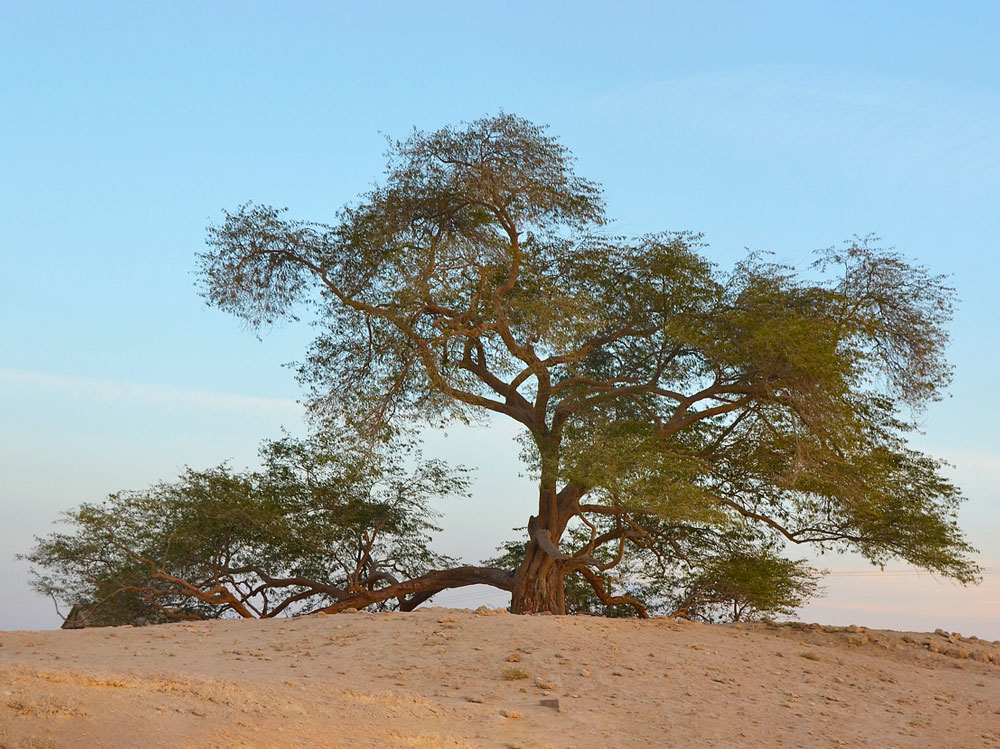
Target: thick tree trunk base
<point>538,585</point>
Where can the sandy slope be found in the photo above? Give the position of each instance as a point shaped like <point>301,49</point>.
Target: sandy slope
<point>440,677</point>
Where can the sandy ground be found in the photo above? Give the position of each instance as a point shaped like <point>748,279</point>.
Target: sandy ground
<point>458,678</point>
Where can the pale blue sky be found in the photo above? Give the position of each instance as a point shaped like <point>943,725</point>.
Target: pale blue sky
<point>125,128</point>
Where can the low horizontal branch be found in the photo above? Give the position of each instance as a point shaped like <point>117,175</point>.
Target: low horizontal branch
<point>436,581</point>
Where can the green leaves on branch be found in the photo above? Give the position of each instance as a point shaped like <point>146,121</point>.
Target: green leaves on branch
<point>323,520</point>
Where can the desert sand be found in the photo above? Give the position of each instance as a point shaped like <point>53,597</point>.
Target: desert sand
<point>461,678</point>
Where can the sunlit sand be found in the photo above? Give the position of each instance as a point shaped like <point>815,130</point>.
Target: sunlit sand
<point>447,677</point>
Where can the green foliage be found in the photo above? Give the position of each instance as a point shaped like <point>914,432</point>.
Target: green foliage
<point>322,518</point>
<point>747,584</point>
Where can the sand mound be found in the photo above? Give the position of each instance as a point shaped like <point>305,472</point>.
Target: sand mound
<point>458,678</point>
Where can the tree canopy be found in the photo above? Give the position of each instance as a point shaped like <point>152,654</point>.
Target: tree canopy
<point>658,394</point>
<point>683,422</point>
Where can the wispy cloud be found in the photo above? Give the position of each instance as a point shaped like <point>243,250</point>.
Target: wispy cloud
<point>908,597</point>
<point>103,390</point>
<point>915,125</point>
<point>983,608</point>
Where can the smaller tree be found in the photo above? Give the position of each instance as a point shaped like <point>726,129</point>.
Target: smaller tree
<point>745,585</point>
<point>323,522</point>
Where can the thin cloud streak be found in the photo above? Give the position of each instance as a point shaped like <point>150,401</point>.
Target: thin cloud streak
<point>103,391</point>
<point>899,602</point>
<point>970,611</point>
<point>934,130</point>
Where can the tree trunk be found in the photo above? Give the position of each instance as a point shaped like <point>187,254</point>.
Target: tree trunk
<point>538,584</point>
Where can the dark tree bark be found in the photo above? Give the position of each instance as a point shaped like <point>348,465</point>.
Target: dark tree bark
<point>538,584</point>
<point>414,592</point>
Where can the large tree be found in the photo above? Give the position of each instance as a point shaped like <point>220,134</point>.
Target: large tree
<point>661,398</point>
